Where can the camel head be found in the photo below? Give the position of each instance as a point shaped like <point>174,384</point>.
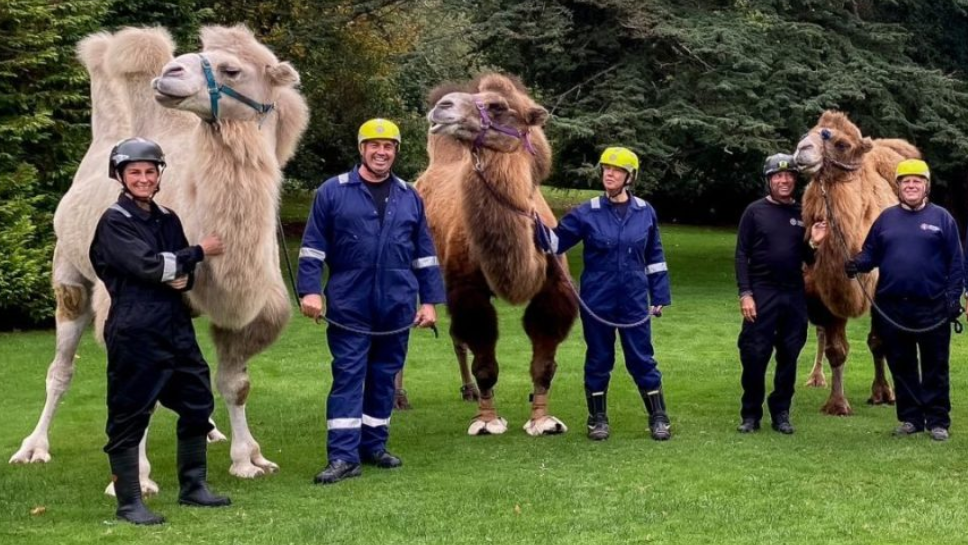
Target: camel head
<point>833,143</point>
<point>234,77</point>
<point>497,115</point>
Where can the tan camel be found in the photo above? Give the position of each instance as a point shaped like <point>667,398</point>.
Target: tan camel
<point>223,177</point>
<point>854,176</point>
<point>488,155</point>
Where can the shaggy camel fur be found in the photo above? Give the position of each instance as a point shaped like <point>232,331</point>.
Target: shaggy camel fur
<point>222,178</point>
<point>479,189</point>
<point>857,174</point>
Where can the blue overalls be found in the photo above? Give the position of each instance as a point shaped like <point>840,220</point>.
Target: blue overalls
<point>625,273</point>
<point>376,275</point>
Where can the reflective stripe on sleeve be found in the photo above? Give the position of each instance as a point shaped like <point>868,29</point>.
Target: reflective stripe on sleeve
<point>312,253</point>
<point>656,267</point>
<point>171,265</point>
<point>424,262</point>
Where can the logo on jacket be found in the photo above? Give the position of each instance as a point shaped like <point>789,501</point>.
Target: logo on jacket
<point>929,227</point>
<point>796,223</point>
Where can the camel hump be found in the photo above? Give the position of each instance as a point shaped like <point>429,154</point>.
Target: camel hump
<point>91,51</point>
<point>141,51</point>
<point>901,147</point>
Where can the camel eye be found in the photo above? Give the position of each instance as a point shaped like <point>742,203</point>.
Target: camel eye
<point>499,108</point>
<point>841,146</point>
<point>230,71</point>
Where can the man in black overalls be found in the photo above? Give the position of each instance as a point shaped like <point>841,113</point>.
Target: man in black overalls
<point>141,254</point>
<point>770,252</point>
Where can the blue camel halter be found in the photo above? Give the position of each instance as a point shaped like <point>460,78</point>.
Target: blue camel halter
<point>215,92</point>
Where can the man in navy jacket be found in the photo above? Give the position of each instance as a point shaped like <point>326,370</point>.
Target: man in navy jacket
<point>369,227</point>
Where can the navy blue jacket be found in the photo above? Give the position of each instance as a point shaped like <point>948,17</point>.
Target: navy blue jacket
<point>625,269</point>
<point>918,253</point>
<point>376,272</point>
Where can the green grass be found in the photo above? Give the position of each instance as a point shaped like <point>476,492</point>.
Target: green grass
<point>837,480</point>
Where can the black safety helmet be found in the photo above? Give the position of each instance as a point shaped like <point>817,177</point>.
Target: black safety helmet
<point>133,150</point>
<point>781,162</point>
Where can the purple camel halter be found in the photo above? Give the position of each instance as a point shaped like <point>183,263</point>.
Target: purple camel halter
<point>488,124</point>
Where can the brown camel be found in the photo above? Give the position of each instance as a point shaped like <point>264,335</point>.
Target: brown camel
<point>488,155</point>
<point>223,177</point>
<point>851,182</point>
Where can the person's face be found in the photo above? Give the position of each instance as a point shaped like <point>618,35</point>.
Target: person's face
<point>378,155</point>
<point>782,184</point>
<point>912,190</point>
<point>613,178</point>
<point>141,179</point>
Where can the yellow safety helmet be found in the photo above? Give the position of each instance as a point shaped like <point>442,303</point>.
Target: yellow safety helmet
<point>913,167</point>
<point>379,129</point>
<point>622,158</point>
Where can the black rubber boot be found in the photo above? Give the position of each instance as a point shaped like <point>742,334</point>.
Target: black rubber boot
<point>597,415</point>
<point>127,487</point>
<point>659,425</point>
<point>192,470</point>
<point>336,471</point>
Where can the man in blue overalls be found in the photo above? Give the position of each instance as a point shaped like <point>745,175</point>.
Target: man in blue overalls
<point>370,228</point>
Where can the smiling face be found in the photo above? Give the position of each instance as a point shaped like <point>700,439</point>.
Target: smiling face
<point>378,156</point>
<point>782,184</point>
<point>140,179</point>
<point>912,190</point>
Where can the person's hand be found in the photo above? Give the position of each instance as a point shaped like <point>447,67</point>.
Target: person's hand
<point>747,305</point>
<point>544,238</point>
<point>179,283</point>
<point>851,269</point>
<point>426,316</point>
<point>955,310</point>
<point>312,306</point>
<point>656,311</point>
<point>212,245</point>
<point>818,232</point>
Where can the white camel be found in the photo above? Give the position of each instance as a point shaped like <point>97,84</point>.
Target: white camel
<point>223,177</point>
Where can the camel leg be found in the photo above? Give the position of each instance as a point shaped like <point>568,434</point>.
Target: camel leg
<point>235,348</point>
<point>400,400</point>
<point>836,352</point>
<point>816,379</point>
<point>881,392</point>
<point>547,321</point>
<point>468,390</point>
<point>72,316</point>
<point>474,323</point>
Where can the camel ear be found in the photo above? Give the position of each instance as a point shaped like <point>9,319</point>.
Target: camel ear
<point>537,116</point>
<point>282,75</point>
<point>866,144</point>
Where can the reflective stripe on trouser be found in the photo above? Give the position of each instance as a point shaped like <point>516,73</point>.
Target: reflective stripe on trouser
<point>361,399</point>
<point>781,325</point>
<point>600,355</point>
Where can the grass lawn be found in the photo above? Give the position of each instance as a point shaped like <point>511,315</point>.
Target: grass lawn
<point>837,480</point>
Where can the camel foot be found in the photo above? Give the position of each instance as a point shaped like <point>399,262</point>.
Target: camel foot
<point>816,380</point>
<point>881,394</point>
<point>837,407</point>
<point>400,401</point>
<point>216,436</point>
<point>33,450</point>
<point>469,392</point>
<point>148,488</point>
<point>491,427</point>
<point>546,425</point>
<point>249,463</point>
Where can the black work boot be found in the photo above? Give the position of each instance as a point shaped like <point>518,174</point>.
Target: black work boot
<point>781,423</point>
<point>659,425</point>
<point>192,470</point>
<point>748,425</point>
<point>336,471</point>
<point>382,459</point>
<point>597,415</point>
<point>127,487</point>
